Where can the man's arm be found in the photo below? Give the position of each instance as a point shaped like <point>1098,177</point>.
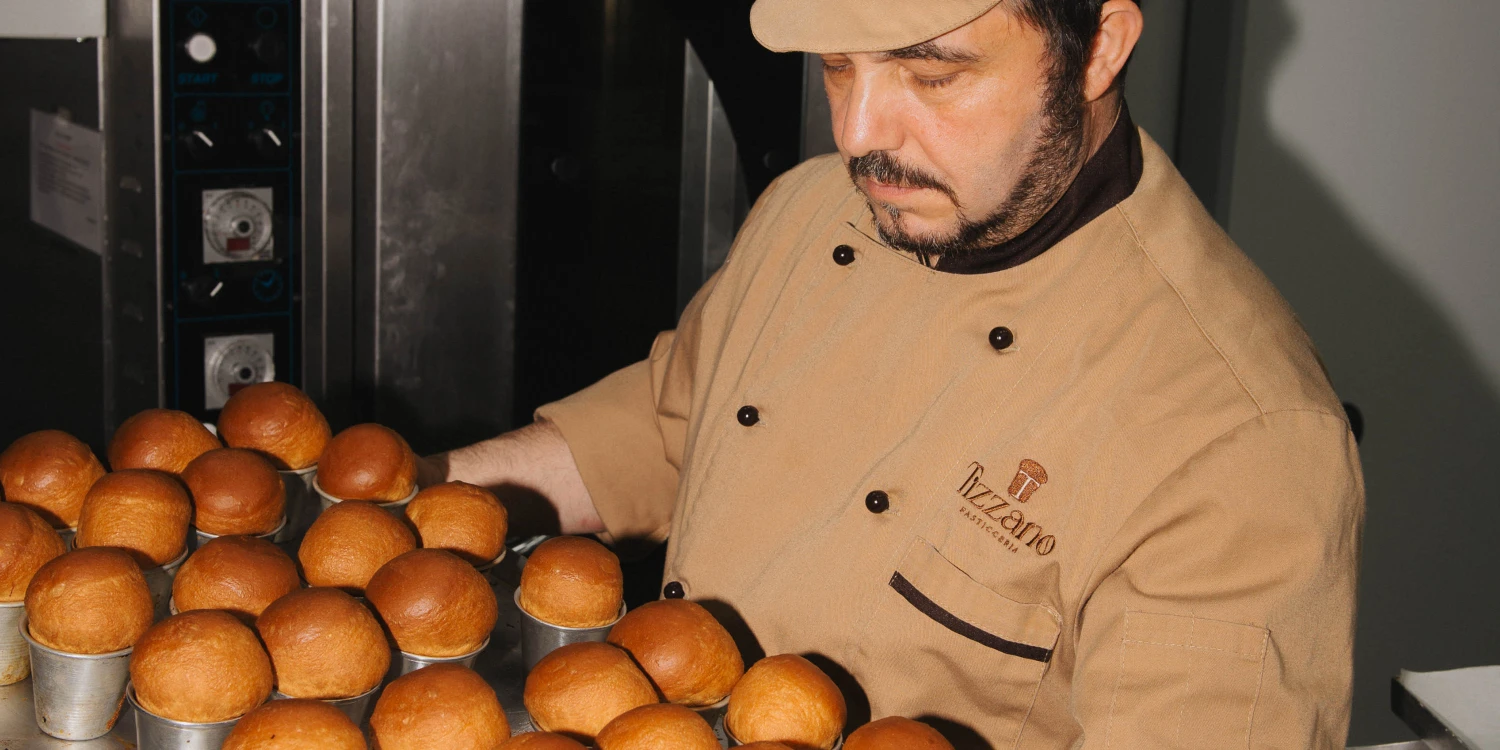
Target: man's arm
<point>1222,613</point>
<point>531,470</point>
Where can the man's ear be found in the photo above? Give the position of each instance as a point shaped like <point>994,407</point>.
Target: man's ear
<point>1120,25</point>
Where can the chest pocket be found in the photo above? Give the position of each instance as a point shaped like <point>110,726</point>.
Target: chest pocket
<point>943,646</point>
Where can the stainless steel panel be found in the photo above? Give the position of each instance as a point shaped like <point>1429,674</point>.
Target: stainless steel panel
<point>327,198</point>
<point>438,90</point>
<point>714,198</point>
<point>132,253</point>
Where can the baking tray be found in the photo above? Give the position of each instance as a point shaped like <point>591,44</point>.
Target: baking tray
<point>500,665</point>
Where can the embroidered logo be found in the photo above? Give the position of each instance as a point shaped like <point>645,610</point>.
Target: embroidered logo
<point>984,506</point>
<point>1030,476</point>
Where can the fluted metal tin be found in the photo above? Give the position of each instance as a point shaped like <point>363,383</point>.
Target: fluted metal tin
<point>203,537</point>
<point>714,715</point>
<point>154,732</point>
<point>722,729</point>
<point>76,696</point>
<point>488,569</point>
<point>397,508</point>
<point>357,708</point>
<point>15,657</point>
<point>301,502</point>
<point>412,662</point>
<point>540,638</point>
<point>159,581</point>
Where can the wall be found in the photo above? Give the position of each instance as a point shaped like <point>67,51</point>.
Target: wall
<point>1365,181</point>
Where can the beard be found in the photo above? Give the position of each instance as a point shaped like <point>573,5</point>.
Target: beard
<point>1053,163</point>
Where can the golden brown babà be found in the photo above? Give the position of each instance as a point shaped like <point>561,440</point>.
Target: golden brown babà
<point>434,603</point>
<point>663,726</point>
<point>235,491</point>
<point>50,472</point>
<point>142,511</point>
<point>349,542</point>
<point>540,741</point>
<point>441,707</point>
<point>765,746</point>
<point>689,656</point>
<point>324,644</point>
<point>238,574</point>
<point>204,666</point>
<point>579,688</point>
<point>278,421</point>
<point>896,733</point>
<point>295,725</point>
<point>89,601</point>
<point>26,543</point>
<point>461,518</point>
<point>572,582</point>
<point>162,439</point>
<point>786,699</point>
<point>368,462</point>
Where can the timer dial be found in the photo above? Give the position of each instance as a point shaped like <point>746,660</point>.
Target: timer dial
<point>237,225</point>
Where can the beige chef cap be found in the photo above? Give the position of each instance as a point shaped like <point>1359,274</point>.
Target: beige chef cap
<point>835,26</point>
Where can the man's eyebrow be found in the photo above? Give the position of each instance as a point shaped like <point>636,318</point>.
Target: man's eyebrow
<point>932,51</point>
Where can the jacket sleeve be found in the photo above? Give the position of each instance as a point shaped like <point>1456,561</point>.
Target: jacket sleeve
<point>1223,611</point>
<point>627,433</point>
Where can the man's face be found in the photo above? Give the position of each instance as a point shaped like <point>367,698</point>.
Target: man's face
<point>958,143</point>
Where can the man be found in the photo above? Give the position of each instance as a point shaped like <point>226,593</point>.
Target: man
<point>987,411</point>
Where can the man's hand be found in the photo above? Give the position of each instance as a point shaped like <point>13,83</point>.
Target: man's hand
<point>531,470</point>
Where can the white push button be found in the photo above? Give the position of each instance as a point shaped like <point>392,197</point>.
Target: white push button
<point>202,48</point>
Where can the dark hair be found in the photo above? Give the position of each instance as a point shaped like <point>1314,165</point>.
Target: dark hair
<point>1070,26</point>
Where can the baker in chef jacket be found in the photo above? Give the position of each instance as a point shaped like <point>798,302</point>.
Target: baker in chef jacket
<point>986,409</point>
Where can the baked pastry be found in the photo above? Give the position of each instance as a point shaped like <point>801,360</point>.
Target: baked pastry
<point>143,512</point>
<point>50,472</point>
<point>368,462</point>
<point>26,543</point>
<point>238,574</point>
<point>324,645</point>
<point>202,667</point>
<point>295,725</point>
<point>162,439</point>
<point>896,733</point>
<point>235,491</point>
<point>89,601</point>
<point>278,421</point>
<point>540,741</point>
<point>688,655</point>
<point>572,582</point>
<point>579,688</point>
<point>461,518</point>
<point>349,542</point>
<point>662,726</point>
<point>441,707</point>
<point>786,699</point>
<point>434,603</point>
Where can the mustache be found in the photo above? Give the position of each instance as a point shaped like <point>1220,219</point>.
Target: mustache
<point>882,167</point>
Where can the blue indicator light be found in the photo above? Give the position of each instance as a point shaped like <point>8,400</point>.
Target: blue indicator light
<point>200,111</point>
<point>197,17</point>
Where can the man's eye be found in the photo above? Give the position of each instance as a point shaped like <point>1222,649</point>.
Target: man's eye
<point>936,83</point>
<point>829,67</point>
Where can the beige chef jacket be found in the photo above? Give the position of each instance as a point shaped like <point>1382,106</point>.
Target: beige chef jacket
<point>1136,526</point>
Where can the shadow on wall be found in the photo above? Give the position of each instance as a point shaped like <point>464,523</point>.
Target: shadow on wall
<point>1431,449</point>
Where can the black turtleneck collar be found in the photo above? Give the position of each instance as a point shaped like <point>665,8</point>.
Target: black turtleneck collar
<point>1108,177</point>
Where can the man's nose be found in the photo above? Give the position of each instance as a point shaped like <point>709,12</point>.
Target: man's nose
<point>870,121</point>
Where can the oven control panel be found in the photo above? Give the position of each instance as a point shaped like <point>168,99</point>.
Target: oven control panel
<point>231,177</point>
